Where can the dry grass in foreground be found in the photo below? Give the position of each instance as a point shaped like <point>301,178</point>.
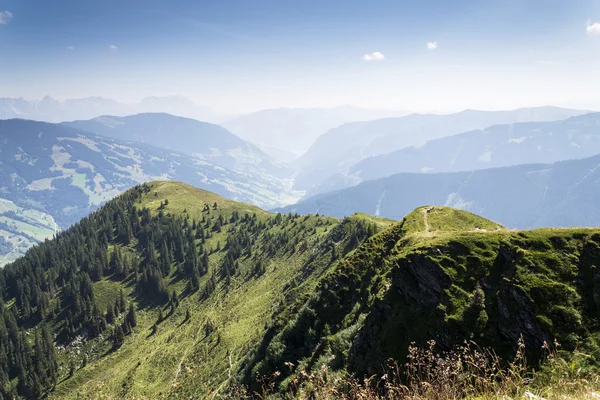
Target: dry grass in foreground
<point>467,372</point>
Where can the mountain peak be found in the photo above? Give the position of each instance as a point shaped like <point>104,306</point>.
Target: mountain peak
<point>187,199</point>
<point>435,220</point>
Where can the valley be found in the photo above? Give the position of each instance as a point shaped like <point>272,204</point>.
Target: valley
<point>22,228</point>
<point>53,175</point>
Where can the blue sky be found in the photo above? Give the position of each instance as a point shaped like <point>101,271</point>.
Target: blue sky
<point>243,55</point>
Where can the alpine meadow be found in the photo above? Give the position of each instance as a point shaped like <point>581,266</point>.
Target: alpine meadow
<point>273,200</point>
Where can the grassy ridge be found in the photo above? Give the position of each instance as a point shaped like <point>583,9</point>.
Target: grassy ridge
<point>314,293</point>
<point>412,283</point>
<point>197,356</point>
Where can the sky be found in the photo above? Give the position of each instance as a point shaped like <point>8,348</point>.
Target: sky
<point>238,55</point>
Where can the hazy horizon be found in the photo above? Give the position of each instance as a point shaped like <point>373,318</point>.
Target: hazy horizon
<point>237,57</point>
<point>283,107</point>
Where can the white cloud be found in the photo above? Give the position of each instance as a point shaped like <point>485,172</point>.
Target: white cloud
<point>593,29</point>
<point>432,45</point>
<point>70,48</point>
<point>376,56</point>
<point>5,17</point>
<point>112,47</point>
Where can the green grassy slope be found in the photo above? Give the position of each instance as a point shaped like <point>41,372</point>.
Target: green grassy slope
<point>197,356</point>
<point>304,291</point>
<point>450,276</point>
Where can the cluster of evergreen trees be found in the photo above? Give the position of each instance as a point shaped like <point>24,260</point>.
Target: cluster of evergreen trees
<point>34,364</point>
<point>47,296</point>
<point>52,285</point>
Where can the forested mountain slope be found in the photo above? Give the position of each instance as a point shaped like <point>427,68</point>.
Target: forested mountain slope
<point>53,175</point>
<point>173,292</point>
<point>170,248</point>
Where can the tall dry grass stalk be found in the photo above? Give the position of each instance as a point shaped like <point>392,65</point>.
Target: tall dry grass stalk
<point>466,372</point>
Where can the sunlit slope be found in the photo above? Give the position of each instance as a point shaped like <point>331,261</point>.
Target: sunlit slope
<point>197,356</point>
<point>446,275</point>
<point>225,293</point>
<point>435,221</point>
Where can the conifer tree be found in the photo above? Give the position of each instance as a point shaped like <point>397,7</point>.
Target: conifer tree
<point>195,280</point>
<point>131,318</point>
<point>118,337</point>
<point>110,315</point>
<point>122,305</point>
<point>175,299</point>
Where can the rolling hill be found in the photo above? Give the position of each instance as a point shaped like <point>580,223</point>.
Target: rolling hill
<point>53,175</point>
<point>563,194</point>
<point>338,150</point>
<point>182,293</point>
<point>202,140</point>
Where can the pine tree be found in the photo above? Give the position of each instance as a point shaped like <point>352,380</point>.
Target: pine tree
<point>126,328</point>
<point>116,309</point>
<point>175,299</point>
<point>118,337</point>
<point>122,305</point>
<point>51,357</point>
<point>72,367</point>
<point>195,280</point>
<point>110,314</point>
<point>41,367</point>
<point>131,317</point>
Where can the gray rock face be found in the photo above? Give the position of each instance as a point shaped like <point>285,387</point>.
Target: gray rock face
<point>414,310</point>
<point>420,281</point>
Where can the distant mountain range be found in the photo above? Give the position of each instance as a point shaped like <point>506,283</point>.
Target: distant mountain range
<point>563,194</point>
<point>338,150</point>
<point>286,133</point>
<point>199,139</point>
<point>52,110</point>
<point>495,146</point>
<point>51,175</point>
